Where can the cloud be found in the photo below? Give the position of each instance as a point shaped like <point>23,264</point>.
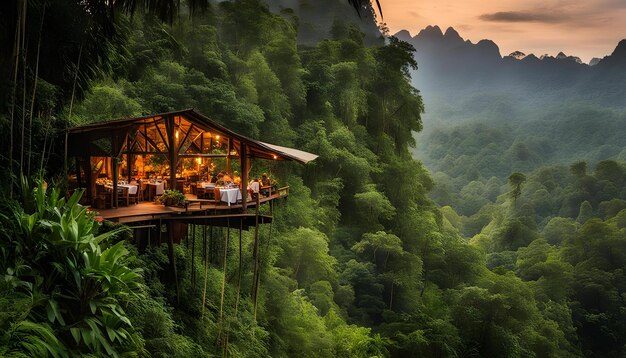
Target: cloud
<point>415,15</point>
<point>523,16</point>
<point>611,4</point>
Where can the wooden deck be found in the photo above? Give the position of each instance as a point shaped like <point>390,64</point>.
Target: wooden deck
<point>147,211</point>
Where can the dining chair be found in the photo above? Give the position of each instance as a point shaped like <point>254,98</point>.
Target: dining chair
<point>134,198</point>
<point>217,196</point>
<point>104,194</point>
<point>123,196</point>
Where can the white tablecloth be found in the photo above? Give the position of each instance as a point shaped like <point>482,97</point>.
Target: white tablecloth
<point>132,189</point>
<point>230,196</point>
<point>159,188</point>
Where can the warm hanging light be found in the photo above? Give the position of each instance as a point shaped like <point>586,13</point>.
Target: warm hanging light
<point>275,157</point>
<point>199,160</point>
<point>217,137</point>
<point>176,134</point>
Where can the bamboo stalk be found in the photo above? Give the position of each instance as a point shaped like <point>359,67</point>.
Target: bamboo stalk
<point>69,116</point>
<point>24,11</point>
<point>16,52</point>
<point>23,106</point>
<point>32,101</point>
<point>45,140</point>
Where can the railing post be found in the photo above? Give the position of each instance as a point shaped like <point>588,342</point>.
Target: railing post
<point>243,164</point>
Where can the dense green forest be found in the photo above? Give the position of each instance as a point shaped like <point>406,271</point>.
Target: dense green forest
<point>360,261</point>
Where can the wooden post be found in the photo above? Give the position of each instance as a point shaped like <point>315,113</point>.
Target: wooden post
<point>114,169</point>
<point>173,155</point>
<point>243,163</point>
<point>88,177</point>
<point>129,165</point>
<point>202,142</point>
<point>115,179</point>
<point>256,258</point>
<point>79,177</point>
<point>228,165</point>
<point>128,158</point>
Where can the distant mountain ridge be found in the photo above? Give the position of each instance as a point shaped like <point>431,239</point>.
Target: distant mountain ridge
<point>453,65</point>
<point>453,37</point>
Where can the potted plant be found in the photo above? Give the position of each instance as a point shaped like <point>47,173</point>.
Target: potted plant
<point>172,198</point>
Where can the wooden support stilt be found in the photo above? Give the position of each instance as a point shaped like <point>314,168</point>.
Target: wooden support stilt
<point>187,238</point>
<point>203,243</point>
<point>160,231</point>
<point>240,272</point>
<point>221,320</point>
<point>255,276</point>
<point>170,252</point>
<point>193,255</point>
<point>206,271</point>
<point>243,165</point>
<point>267,244</point>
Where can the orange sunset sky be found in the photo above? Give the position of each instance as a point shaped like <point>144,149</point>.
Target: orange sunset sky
<point>584,28</point>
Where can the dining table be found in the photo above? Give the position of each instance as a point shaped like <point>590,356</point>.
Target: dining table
<point>157,188</point>
<point>132,189</point>
<point>230,195</point>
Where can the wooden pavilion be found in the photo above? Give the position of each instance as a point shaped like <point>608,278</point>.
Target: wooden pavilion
<point>169,139</point>
<point>165,143</point>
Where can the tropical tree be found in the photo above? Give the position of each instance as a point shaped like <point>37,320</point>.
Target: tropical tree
<point>516,181</point>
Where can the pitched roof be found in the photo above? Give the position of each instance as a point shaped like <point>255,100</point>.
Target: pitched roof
<point>256,148</point>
